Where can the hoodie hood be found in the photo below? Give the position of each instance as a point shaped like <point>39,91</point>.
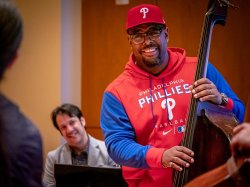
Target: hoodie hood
<point>176,59</point>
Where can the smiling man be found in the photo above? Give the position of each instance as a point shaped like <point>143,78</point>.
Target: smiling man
<point>80,148</point>
<point>144,110</point>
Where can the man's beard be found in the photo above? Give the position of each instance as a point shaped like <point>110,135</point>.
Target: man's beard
<point>152,62</point>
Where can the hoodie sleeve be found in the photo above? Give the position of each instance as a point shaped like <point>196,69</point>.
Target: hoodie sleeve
<point>119,135</point>
<point>235,104</point>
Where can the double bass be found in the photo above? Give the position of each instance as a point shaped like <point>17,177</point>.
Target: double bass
<point>209,127</point>
<point>237,167</point>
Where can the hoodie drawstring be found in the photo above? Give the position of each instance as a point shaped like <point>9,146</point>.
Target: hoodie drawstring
<point>151,103</point>
<point>166,97</point>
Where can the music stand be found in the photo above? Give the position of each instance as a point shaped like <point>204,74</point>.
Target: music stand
<point>86,176</point>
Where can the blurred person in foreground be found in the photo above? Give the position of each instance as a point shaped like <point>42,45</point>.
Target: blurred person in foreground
<point>21,144</point>
<point>240,144</point>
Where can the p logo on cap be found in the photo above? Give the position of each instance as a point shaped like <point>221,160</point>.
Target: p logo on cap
<point>144,13</point>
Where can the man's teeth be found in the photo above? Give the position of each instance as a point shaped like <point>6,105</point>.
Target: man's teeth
<point>149,50</point>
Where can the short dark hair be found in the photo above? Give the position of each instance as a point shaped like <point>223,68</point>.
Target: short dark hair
<point>11,33</point>
<point>67,108</point>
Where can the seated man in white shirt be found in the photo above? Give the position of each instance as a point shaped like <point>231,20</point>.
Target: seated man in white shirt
<point>80,148</point>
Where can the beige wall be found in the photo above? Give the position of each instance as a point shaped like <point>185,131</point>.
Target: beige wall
<point>35,80</point>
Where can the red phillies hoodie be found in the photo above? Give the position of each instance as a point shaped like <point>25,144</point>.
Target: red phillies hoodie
<point>143,115</point>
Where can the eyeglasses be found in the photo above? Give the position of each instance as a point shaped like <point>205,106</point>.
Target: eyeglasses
<point>139,38</point>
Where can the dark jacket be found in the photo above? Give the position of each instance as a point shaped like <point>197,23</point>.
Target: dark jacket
<point>23,145</point>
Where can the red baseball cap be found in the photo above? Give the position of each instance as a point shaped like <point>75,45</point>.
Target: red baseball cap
<point>144,13</point>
